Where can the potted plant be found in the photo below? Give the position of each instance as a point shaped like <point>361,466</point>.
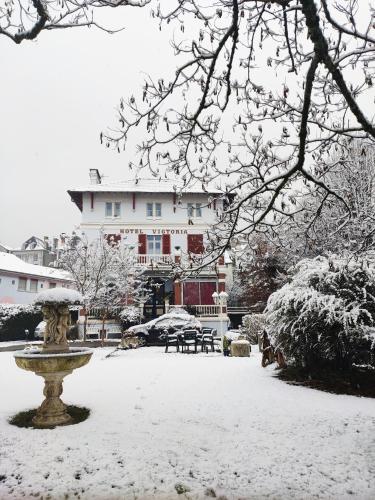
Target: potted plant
<point>225,346</point>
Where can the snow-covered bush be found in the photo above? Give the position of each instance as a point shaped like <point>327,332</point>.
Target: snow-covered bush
<point>325,316</point>
<point>252,326</point>
<point>130,315</point>
<point>16,318</point>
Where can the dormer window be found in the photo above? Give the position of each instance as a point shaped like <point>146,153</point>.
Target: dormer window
<point>153,210</point>
<point>194,210</point>
<point>113,209</point>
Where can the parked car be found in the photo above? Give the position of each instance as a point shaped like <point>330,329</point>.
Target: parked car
<point>39,330</point>
<point>154,331</point>
<point>72,333</point>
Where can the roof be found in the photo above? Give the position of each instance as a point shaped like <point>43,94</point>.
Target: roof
<point>11,263</point>
<point>6,247</point>
<point>145,186</point>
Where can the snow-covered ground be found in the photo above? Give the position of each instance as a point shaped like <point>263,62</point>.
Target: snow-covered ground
<point>201,420</point>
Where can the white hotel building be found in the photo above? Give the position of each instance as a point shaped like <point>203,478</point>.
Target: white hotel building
<point>163,227</point>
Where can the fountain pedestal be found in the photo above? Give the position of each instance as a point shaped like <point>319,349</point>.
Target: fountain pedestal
<point>55,360</point>
<point>52,411</point>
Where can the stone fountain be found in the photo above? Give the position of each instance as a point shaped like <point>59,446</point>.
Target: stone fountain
<point>56,359</point>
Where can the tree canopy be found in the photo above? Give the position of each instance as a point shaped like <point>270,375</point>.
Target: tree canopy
<point>264,92</point>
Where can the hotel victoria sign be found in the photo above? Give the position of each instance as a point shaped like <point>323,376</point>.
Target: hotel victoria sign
<point>154,231</point>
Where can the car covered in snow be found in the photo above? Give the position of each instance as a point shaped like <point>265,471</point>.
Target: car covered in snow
<point>39,330</point>
<point>155,330</point>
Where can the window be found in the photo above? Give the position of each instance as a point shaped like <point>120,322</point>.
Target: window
<point>153,209</point>
<point>13,282</point>
<point>113,209</point>
<point>52,285</point>
<point>33,285</point>
<point>22,284</point>
<point>35,257</point>
<point>117,209</point>
<point>194,210</point>
<point>154,245</point>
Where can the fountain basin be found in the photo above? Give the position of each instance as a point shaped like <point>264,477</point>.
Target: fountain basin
<point>35,360</point>
<point>53,367</point>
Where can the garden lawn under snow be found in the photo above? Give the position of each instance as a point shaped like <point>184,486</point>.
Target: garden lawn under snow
<point>203,421</point>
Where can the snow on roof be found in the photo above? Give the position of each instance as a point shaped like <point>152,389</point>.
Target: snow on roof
<point>59,296</point>
<point>146,186</point>
<point>11,263</point>
<point>7,247</point>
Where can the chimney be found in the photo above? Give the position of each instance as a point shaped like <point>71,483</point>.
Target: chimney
<point>46,242</point>
<point>55,243</point>
<point>95,177</point>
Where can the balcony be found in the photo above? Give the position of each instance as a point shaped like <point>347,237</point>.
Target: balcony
<point>156,261</point>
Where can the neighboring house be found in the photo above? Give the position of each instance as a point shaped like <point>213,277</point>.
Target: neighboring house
<point>20,282</point>
<point>164,226</point>
<point>37,251</point>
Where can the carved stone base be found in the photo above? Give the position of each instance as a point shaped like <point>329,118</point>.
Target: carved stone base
<point>52,411</point>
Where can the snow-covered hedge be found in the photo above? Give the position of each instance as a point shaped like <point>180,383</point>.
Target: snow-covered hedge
<point>129,316</point>
<point>252,326</point>
<point>326,314</point>
<point>16,318</point>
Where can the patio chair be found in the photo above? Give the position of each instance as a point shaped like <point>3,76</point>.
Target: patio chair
<point>187,339</point>
<point>171,339</point>
<point>207,339</point>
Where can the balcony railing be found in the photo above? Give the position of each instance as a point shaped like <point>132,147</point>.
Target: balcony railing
<point>201,310</point>
<point>155,260</point>
<point>204,310</point>
<point>166,260</point>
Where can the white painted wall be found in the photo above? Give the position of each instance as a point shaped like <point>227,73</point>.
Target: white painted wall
<point>176,222</point>
<point>10,293</point>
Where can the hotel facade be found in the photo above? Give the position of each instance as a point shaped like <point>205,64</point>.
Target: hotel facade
<point>166,228</point>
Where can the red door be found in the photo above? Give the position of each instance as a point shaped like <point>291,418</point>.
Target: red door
<point>191,293</point>
<point>199,293</point>
<point>207,288</point>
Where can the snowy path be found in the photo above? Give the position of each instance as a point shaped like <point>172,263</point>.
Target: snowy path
<point>204,421</point>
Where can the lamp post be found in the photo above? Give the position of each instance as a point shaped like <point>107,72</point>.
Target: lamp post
<point>220,299</point>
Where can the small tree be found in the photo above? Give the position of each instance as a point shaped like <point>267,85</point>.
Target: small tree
<point>122,281</point>
<point>105,272</point>
<point>260,271</point>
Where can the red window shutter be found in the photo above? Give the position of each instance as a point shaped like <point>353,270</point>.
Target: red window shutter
<point>166,244</point>
<point>142,244</point>
<point>195,243</point>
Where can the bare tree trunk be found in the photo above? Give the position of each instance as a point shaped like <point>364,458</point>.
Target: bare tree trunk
<point>103,325</point>
<point>85,325</point>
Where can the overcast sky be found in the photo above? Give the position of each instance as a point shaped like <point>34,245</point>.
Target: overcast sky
<point>57,94</point>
